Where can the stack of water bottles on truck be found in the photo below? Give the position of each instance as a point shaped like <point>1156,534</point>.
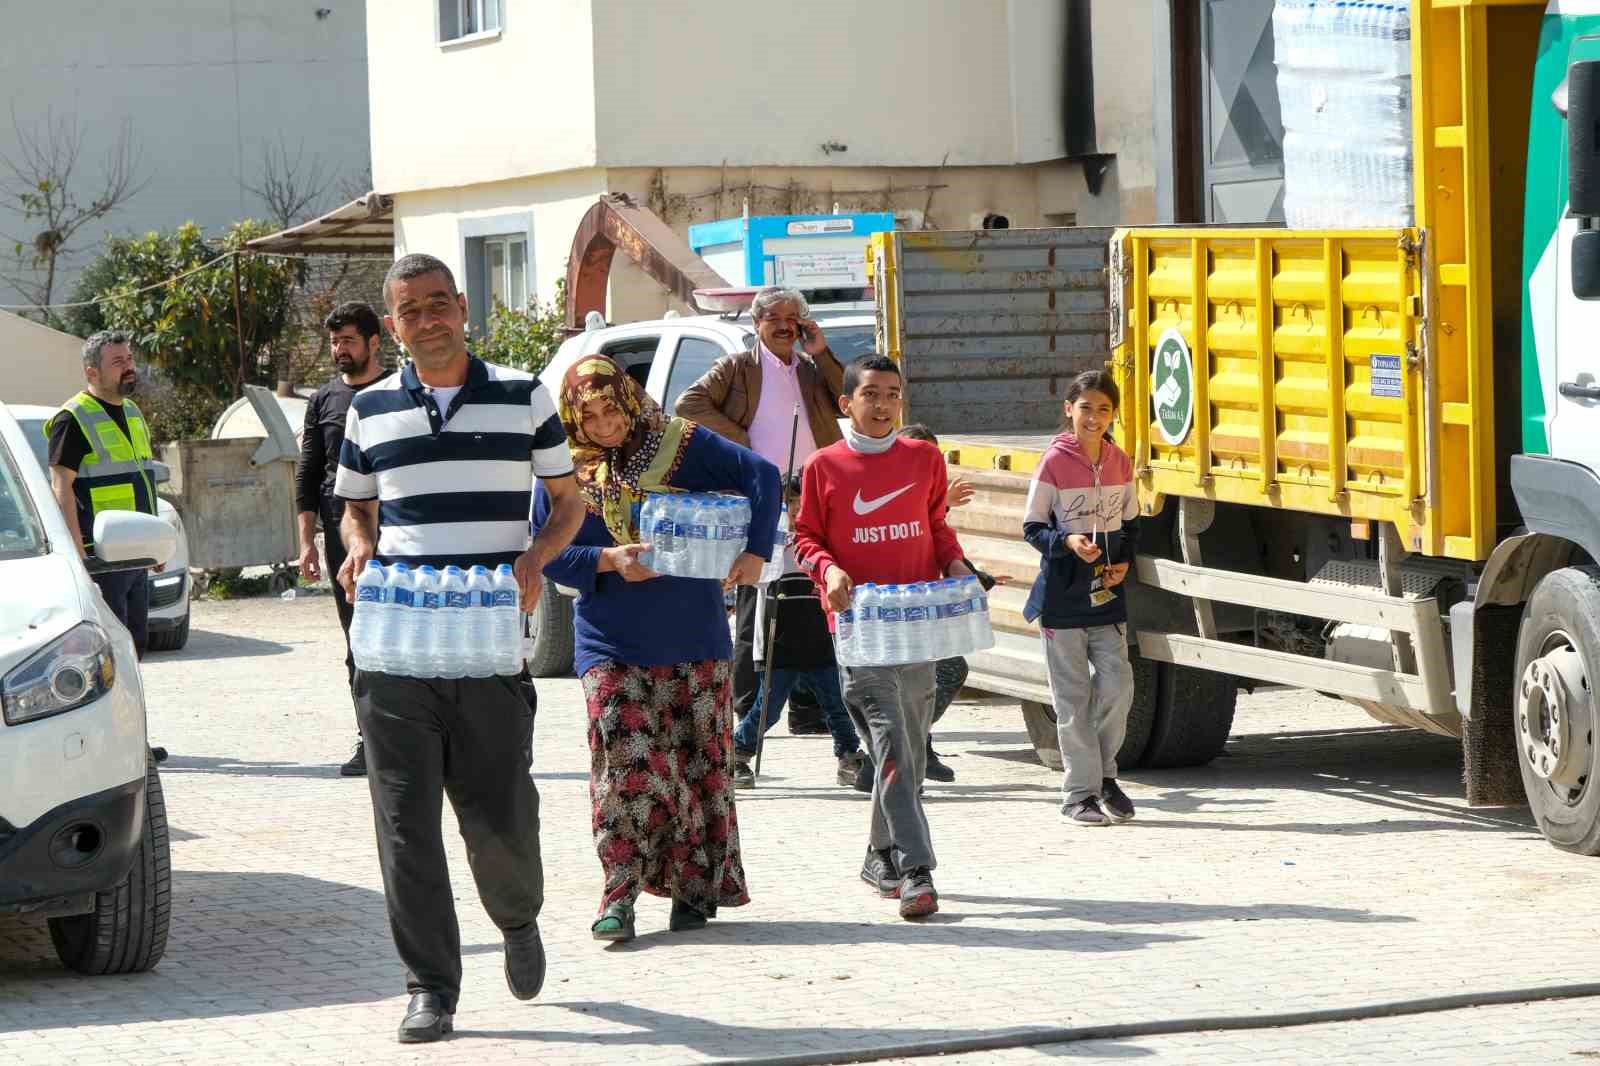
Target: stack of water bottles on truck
<point>1344,89</point>
<point>424,623</point>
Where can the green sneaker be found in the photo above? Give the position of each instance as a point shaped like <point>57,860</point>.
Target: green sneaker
<point>615,924</point>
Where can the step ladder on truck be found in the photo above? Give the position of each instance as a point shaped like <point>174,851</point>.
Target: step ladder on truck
<point>1367,459</point>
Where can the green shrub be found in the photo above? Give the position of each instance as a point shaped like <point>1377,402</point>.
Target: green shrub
<point>526,339</point>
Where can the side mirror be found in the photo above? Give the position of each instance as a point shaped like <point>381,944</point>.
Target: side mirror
<point>1583,139</point>
<point>1586,264</point>
<point>160,472</point>
<point>129,540</point>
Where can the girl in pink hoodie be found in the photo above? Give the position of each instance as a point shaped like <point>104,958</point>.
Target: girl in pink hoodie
<point>1082,518</point>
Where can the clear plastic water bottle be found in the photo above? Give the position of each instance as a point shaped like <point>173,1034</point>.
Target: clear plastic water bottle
<point>774,566</point>
<point>736,534</point>
<point>982,633</point>
<point>416,640</point>
<point>402,601</point>
<point>916,622</point>
<point>450,630</point>
<point>868,603</point>
<point>891,623</point>
<point>846,633</point>
<point>478,627</point>
<point>702,550</point>
<point>372,603</point>
<point>507,643</point>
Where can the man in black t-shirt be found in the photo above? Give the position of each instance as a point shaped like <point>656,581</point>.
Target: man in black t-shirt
<point>353,333</point>
<point>85,481</point>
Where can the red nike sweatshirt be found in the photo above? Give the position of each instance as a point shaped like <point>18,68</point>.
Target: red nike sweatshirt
<point>878,517</point>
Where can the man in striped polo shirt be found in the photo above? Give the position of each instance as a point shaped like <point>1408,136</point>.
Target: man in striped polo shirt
<point>437,467</point>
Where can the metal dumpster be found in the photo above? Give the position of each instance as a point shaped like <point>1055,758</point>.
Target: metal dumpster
<point>237,497</point>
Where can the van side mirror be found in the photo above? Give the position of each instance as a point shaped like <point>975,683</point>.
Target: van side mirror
<point>1583,139</point>
<point>1585,257</point>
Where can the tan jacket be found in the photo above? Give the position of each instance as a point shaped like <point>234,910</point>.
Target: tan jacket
<point>726,398</point>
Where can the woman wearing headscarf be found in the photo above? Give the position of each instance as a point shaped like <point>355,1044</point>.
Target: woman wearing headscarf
<point>653,651</point>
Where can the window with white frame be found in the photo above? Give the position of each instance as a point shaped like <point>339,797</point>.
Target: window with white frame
<point>468,18</point>
<point>497,273</point>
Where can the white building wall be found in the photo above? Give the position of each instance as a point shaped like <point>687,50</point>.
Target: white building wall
<point>205,86</point>
<point>896,82</point>
<point>490,110</point>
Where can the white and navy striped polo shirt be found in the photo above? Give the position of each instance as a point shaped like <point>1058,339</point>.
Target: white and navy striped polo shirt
<point>453,486</point>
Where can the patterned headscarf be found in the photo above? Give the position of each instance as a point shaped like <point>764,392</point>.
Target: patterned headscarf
<point>614,481</point>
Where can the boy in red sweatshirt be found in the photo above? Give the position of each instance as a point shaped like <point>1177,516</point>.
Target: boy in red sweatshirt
<point>872,508</point>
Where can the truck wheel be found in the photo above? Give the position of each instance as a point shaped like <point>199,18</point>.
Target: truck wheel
<point>550,626</point>
<point>1040,718</point>
<point>127,930</point>
<point>1193,714</point>
<point>1553,707</point>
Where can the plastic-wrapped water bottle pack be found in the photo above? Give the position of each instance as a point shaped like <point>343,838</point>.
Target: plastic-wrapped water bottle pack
<point>424,623</point>
<point>890,625</point>
<point>694,534</point>
<point>1344,90</point>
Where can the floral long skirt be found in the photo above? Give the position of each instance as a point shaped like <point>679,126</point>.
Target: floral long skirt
<point>661,785</point>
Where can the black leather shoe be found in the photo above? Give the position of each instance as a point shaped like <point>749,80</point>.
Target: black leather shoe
<point>427,1019</point>
<point>524,961</point>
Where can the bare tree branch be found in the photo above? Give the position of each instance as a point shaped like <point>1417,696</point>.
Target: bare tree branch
<point>291,188</point>
<point>38,184</point>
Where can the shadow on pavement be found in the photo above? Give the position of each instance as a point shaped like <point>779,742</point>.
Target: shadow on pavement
<point>220,764</point>
<point>730,1043</point>
<point>205,644</point>
<point>241,943</point>
<point>943,929</point>
<point>1163,912</point>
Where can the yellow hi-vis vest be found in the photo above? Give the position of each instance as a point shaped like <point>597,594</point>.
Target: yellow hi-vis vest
<point>116,474</point>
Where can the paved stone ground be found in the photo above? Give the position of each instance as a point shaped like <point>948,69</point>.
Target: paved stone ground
<point>1323,861</point>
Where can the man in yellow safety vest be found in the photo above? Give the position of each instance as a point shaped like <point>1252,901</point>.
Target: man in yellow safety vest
<point>100,460</point>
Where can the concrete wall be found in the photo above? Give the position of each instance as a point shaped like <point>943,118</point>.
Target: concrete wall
<point>205,86</point>
<point>445,115</point>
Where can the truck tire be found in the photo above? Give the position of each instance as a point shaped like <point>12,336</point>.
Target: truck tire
<point>1193,714</point>
<point>127,930</point>
<point>1040,719</point>
<point>1553,707</point>
<point>550,626</point>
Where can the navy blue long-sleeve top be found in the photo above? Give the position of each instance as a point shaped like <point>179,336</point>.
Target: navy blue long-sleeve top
<point>666,620</point>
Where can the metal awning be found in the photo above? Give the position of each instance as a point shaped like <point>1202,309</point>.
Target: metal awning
<point>360,227</point>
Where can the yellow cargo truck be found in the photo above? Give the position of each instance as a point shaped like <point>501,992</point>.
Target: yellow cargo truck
<point>1367,458</point>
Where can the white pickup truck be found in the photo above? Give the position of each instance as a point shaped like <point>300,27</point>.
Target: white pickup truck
<point>666,356</point>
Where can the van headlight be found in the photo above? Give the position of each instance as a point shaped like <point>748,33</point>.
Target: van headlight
<point>74,669</point>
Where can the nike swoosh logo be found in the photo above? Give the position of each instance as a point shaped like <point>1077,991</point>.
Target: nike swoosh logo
<point>865,507</point>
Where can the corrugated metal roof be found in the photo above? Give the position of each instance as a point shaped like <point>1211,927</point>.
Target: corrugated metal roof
<point>360,227</point>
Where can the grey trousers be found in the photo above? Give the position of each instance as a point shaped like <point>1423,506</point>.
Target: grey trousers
<point>1091,709</point>
<point>892,707</point>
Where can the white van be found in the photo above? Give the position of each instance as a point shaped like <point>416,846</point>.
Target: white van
<point>83,827</point>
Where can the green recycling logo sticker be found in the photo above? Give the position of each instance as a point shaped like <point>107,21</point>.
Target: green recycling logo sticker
<point>1172,387</point>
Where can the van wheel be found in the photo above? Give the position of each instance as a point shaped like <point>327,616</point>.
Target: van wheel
<point>550,625</point>
<point>1553,707</point>
<point>1040,718</point>
<point>127,930</point>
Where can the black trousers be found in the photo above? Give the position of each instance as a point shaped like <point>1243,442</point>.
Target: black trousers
<point>127,593</point>
<point>333,543</point>
<point>469,739</point>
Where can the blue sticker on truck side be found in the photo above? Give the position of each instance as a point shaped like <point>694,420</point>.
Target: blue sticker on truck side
<point>1386,379</point>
